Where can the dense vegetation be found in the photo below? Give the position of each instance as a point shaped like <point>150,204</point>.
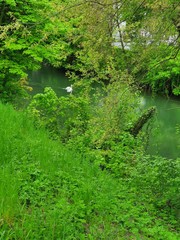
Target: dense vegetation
<point>52,191</point>
<point>67,34</point>
<point>74,167</point>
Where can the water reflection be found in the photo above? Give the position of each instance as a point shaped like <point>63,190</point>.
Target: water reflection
<point>49,77</point>
<point>165,139</point>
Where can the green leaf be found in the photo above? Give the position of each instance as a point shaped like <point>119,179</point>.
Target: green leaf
<point>11,2</point>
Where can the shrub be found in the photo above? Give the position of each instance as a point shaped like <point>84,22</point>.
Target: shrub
<point>63,117</point>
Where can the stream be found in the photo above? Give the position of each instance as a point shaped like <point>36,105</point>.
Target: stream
<point>165,137</point>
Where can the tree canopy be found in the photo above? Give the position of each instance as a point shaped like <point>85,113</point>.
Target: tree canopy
<point>91,38</point>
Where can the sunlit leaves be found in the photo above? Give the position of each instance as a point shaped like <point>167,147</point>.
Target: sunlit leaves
<point>11,2</point>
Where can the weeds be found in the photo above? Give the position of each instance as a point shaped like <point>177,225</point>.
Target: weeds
<point>50,192</point>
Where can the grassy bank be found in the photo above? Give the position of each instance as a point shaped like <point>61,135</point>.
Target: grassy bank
<point>50,192</point>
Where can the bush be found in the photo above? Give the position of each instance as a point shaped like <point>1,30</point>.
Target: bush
<point>63,117</point>
<point>50,192</point>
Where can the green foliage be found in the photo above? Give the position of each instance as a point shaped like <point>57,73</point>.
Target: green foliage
<point>52,32</point>
<point>112,118</point>
<point>50,192</point>
<point>13,42</point>
<point>118,108</point>
<point>90,124</point>
<point>29,35</point>
<point>159,178</point>
<point>164,77</point>
<point>148,44</point>
<point>65,118</point>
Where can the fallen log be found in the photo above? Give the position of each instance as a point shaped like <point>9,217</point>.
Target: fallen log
<point>142,120</point>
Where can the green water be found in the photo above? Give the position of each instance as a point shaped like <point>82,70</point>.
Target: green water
<point>49,77</point>
<point>164,139</point>
<point>165,136</point>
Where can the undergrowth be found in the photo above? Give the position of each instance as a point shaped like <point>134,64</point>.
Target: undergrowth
<point>48,191</point>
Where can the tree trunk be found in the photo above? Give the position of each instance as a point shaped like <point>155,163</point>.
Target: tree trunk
<point>143,119</point>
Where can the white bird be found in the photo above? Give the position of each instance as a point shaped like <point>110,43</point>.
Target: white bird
<point>69,89</point>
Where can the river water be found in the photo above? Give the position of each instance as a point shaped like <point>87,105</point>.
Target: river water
<point>165,137</point>
<point>49,77</point>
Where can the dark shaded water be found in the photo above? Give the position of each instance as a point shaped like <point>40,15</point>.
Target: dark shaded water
<point>165,137</point>
<point>49,77</point>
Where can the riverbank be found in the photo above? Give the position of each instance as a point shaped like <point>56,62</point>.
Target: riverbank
<point>49,191</point>
<point>163,138</point>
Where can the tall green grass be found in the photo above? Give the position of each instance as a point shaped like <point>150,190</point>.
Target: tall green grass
<point>48,191</point>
